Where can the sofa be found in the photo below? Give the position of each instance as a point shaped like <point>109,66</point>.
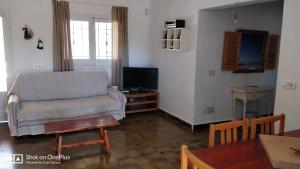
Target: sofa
<point>40,97</point>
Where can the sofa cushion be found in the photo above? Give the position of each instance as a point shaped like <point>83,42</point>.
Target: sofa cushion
<point>59,85</point>
<point>66,109</point>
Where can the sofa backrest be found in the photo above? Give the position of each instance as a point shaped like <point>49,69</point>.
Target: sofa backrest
<point>59,85</point>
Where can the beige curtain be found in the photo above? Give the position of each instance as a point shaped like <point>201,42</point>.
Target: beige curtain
<point>120,44</point>
<point>62,53</point>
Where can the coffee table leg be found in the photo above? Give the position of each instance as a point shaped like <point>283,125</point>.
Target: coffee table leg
<point>105,138</point>
<point>102,132</point>
<point>59,145</point>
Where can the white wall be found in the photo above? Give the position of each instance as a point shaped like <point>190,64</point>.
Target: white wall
<point>23,53</point>
<point>177,71</point>
<point>215,91</point>
<point>287,101</point>
<point>37,14</point>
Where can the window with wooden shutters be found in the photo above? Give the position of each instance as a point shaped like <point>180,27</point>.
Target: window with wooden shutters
<point>271,52</point>
<point>232,42</point>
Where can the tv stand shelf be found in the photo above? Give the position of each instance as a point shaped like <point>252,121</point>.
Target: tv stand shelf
<point>141,102</point>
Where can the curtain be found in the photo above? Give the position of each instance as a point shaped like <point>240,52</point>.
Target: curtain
<point>120,44</point>
<point>62,53</point>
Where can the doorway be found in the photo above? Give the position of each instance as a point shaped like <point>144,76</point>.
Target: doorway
<point>213,86</point>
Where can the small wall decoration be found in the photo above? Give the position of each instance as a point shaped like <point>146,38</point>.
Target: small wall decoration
<point>40,44</point>
<point>28,34</point>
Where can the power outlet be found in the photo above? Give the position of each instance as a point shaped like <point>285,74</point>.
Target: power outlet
<point>210,110</point>
<point>212,72</point>
<point>290,85</point>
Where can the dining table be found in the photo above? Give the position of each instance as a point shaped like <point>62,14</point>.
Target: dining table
<point>243,155</point>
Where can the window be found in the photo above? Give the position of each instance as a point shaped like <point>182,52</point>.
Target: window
<point>80,39</point>
<point>91,41</point>
<point>103,40</point>
<point>3,85</point>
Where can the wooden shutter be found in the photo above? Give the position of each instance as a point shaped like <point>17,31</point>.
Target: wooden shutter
<point>271,52</point>
<point>231,51</point>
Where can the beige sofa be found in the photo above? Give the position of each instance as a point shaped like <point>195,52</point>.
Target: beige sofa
<point>36,98</point>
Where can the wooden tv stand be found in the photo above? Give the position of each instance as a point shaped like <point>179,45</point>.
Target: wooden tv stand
<point>138,102</point>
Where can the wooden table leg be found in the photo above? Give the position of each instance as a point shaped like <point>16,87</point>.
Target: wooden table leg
<point>102,132</point>
<point>106,140</point>
<point>59,145</point>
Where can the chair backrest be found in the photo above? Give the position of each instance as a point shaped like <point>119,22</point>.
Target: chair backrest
<point>230,130</point>
<point>187,156</point>
<point>267,125</point>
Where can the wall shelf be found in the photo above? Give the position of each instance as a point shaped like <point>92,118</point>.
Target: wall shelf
<point>174,39</point>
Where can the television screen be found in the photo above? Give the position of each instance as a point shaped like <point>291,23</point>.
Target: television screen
<point>135,78</point>
<point>252,51</point>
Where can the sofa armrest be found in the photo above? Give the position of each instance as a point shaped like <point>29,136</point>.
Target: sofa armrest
<point>117,95</point>
<point>12,109</point>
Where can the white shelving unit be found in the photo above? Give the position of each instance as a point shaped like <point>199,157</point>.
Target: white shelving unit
<point>174,39</point>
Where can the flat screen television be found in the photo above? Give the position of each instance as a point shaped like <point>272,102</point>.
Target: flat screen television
<point>139,78</point>
<point>252,49</point>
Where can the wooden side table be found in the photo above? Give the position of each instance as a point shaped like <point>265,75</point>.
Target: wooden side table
<point>250,93</point>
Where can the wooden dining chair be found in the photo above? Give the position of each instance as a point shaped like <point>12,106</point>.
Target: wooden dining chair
<point>267,125</point>
<point>188,158</point>
<point>230,130</point>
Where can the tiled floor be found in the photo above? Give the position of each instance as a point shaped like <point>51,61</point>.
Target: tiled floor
<point>143,141</point>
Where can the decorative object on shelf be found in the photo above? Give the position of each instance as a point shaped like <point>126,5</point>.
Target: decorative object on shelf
<point>175,24</point>
<point>28,33</point>
<point>179,35</point>
<point>40,44</point>
<point>165,35</point>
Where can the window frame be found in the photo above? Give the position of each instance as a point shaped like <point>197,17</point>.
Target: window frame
<point>92,62</point>
<point>89,61</point>
<point>106,21</point>
<point>5,14</point>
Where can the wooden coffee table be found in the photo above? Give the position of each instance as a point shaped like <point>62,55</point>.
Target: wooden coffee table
<point>100,123</point>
